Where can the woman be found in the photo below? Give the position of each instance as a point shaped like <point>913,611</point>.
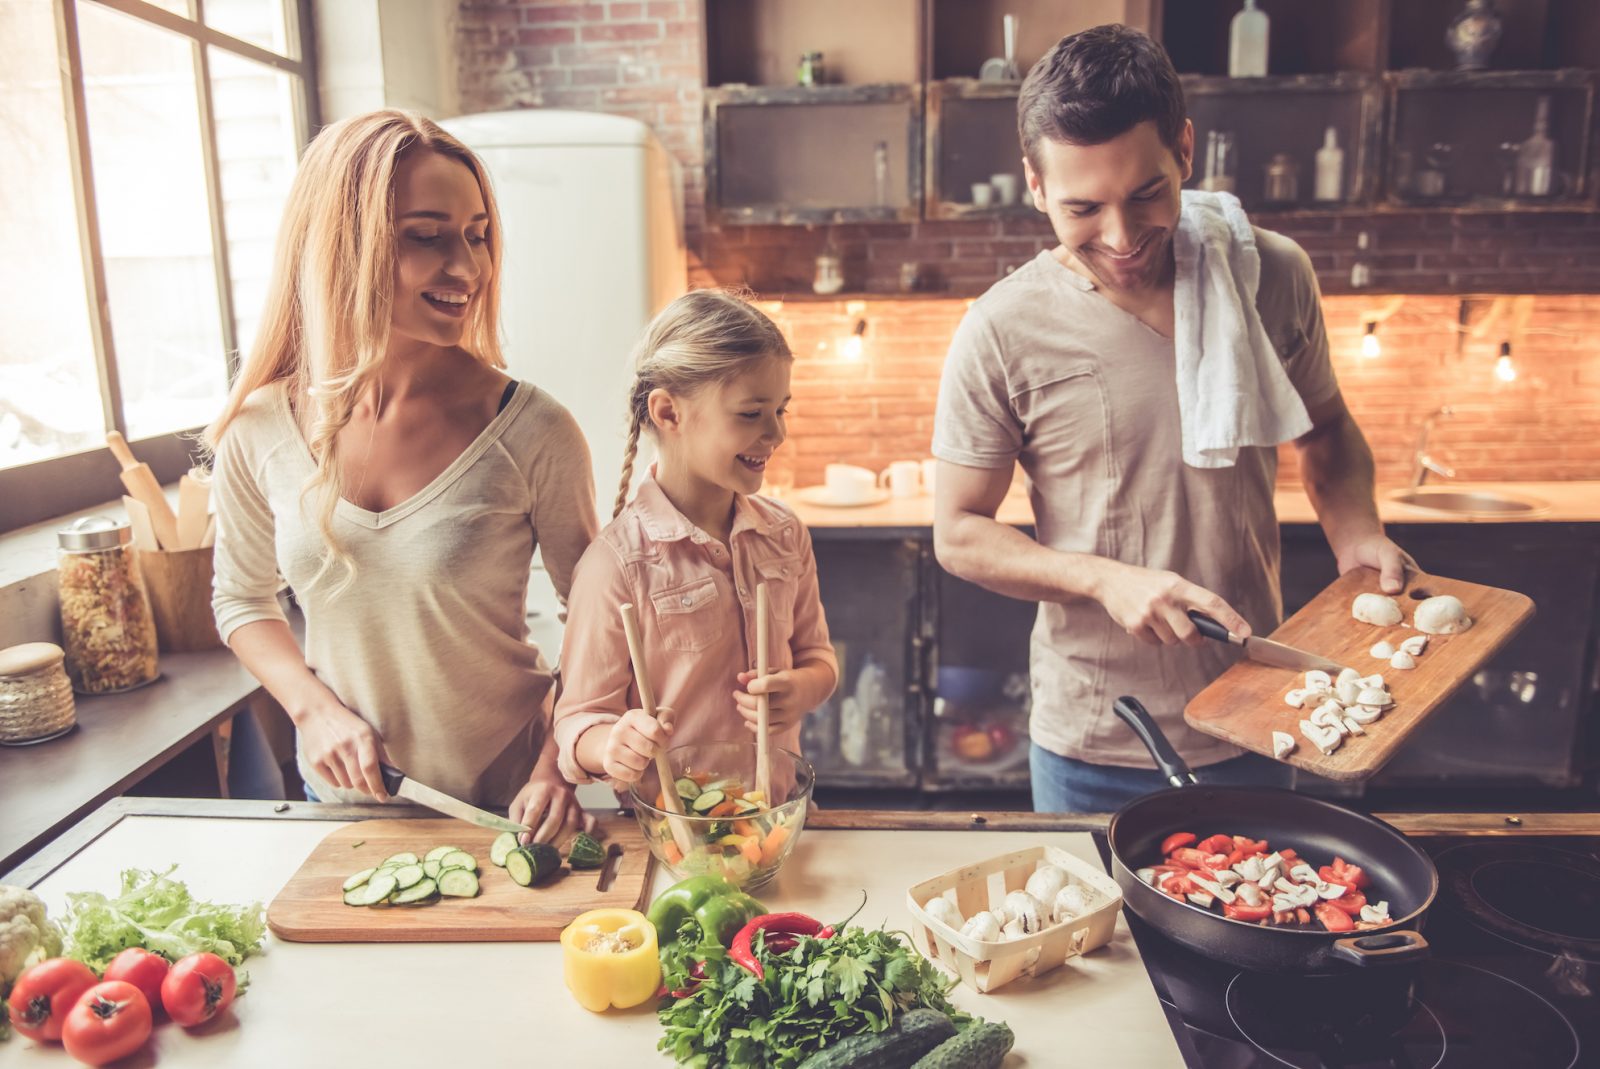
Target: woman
<point>374,456</point>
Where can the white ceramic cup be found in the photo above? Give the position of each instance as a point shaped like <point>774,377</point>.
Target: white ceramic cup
<point>982,194</point>
<point>930,468</point>
<point>1005,188</point>
<point>903,478</point>
<point>848,484</point>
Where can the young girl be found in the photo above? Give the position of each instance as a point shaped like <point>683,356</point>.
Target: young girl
<point>711,386</point>
<point>374,456</point>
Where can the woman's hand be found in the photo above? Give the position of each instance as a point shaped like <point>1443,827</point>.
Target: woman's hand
<point>342,749</point>
<point>549,805</point>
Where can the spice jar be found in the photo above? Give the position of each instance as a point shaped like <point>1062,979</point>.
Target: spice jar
<point>1282,180</point>
<point>35,695</point>
<point>108,631</point>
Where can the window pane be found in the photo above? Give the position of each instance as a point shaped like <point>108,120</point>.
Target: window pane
<point>49,391</point>
<point>155,223</point>
<point>261,22</point>
<point>254,107</point>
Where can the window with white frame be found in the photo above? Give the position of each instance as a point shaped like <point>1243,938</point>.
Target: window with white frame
<point>146,150</point>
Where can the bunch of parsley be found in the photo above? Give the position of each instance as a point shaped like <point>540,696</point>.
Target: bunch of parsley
<point>821,991</point>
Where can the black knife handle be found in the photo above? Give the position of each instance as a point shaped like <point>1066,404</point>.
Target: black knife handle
<point>392,778</point>
<point>1209,627</point>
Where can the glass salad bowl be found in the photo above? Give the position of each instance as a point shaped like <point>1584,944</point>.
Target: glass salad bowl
<point>727,829</point>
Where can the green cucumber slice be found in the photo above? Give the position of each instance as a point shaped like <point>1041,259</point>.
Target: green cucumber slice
<point>359,878</point>
<point>458,859</point>
<point>430,869</point>
<point>519,866</point>
<point>439,851</point>
<point>375,890</point>
<point>408,876</point>
<point>707,801</point>
<point>687,788</point>
<point>458,883</point>
<point>415,894</point>
<point>401,859</point>
<point>504,843</point>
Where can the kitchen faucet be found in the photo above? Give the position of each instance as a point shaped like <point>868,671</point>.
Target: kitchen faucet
<point>1422,462</point>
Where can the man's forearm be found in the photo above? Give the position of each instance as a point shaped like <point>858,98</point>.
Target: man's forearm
<point>1337,469</point>
<point>1000,558</point>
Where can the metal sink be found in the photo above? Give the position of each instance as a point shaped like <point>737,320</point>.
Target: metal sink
<point>1468,502</point>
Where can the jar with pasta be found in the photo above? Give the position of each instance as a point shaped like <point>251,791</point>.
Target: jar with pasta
<point>106,626</point>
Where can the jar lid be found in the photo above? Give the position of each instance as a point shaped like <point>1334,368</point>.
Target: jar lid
<point>95,532</point>
<point>28,658</point>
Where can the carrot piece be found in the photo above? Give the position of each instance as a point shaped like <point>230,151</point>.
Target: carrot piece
<point>701,778</point>
<point>661,799</point>
<point>751,849</point>
<point>745,827</point>
<point>774,843</point>
<point>670,850</point>
<point>722,809</point>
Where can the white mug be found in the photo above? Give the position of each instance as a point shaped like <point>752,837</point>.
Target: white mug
<point>930,468</point>
<point>1005,188</point>
<point>848,484</point>
<point>901,477</point>
<point>982,194</point>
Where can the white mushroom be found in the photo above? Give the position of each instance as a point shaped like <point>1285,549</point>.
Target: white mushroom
<point>1201,899</point>
<point>1378,914</point>
<point>1304,873</point>
<point>1251,868</point>
<point>1330,891</point>
<point>1353,726</point>
<point>1046,882</point>
<point>1250,894</point>
<point>1373,680</point>
<point>1071,901</point>
<point>1363,714</point>
<point>1378,609</point>
<point>1022,907</point>
<point>1382,651</point>
<point>1282,744</point>
<point>945,912</point>
<point>1296,698</point>
<point>983,927</point>
<point>1147,876</point>
<point>1324,739</point>
<point>1012,930</point>
<point>1211,887</point>
<point>1348,685</point>
<point>1227,877</point>
<point>1415,645</point>
<point>1318,680</point>
<point>1374,697</point>
<point>1402,660</point>
<point>1443,615</point>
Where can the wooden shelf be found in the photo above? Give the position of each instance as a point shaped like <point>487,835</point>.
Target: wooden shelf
<point>1303,38</point>
<point>759,42</point>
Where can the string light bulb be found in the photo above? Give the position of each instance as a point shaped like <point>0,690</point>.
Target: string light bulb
<point>1504,369</point>
<point>853,345</point>
<point>1370,347</point>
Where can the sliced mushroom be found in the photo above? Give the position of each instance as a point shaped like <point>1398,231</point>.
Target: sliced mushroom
<point>1403,661</point>
<point>1201,899</point>
<point>1378,914</point>
<point>1227,877</point>
<point>1353,726</point>
<point>1415,645</point>
<point>1374,680</point>
<point>1044,884</point>
<point>1324,739</point>
<point>1211,887</point>
<point>945,912</point>
<point>1375,697</point>
<point>1250,894</point>
<point>1348,685</point>
<point>1251,868</point>
<point>1282,744</point>
<point>1147,876</point>
<point>1303,873</point>
<point>1330,891</point>
<point>1363,714</point>
<point>1296,698</point>
<point>1443,615</point>
<point>1318,680</point>
<point>1382,651</point>
<point>983,927</point>
<point>1378,609</point>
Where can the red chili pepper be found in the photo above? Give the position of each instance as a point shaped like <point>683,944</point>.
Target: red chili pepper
<point>1175,840</point>
<point>742,951</point>
<point>696,974</point>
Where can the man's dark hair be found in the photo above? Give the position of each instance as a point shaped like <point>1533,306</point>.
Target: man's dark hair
<point>1097,85</point>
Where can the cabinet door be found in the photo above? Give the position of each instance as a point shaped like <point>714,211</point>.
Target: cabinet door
<point>864,735</point>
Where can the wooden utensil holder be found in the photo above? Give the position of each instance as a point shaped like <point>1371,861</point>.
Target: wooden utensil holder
<point>179,584</point>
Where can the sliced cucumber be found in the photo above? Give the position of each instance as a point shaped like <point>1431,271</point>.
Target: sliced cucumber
<point>430,869</point>
<point>375,890</point>
<point>707,801</point>
<point>359,878</point>
<point>439,851</point>
<point>401,859</point>
<point>504,843</point>
<point>519,866</point>
<point>408,876</point>
<point>417,892</point>
<point>741,807</point>
<point>458,883</point>
<point>458,859</point>
<point>687,788</point>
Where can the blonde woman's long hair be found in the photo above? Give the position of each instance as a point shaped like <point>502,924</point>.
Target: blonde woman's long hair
<point>325,328</point>
<point>703,338</point>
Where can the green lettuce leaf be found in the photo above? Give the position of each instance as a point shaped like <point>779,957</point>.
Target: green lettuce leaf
<point>158,913</point>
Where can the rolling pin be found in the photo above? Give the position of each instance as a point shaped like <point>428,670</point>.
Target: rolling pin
<point>142,486</point>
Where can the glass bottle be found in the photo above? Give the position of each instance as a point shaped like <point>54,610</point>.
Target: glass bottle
<point>1219,162</point>
<point>1329,185</point>
<point>880,173</point>
<point>810,72</point>
<point>1361,271</point>
<point>1536,159</point>
<point>1247,43</point>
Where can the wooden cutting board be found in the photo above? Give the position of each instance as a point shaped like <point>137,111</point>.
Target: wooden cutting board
<point>1245,705</point>
<point>311,909</point>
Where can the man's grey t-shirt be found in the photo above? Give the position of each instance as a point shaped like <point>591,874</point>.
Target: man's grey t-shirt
<point>1045,371</point>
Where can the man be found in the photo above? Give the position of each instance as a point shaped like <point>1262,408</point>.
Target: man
<point>1068,366</point>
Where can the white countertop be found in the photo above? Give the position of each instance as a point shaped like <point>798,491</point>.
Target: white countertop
<point>502,1004</point>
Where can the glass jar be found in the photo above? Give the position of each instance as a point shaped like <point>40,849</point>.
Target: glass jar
<point>810,72</point>
<point>1282,184</point>
<point>106,625</point>
<point>35,694</point>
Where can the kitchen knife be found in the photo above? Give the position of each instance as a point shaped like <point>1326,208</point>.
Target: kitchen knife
<point>400,785</point>
<point>1264,650</point>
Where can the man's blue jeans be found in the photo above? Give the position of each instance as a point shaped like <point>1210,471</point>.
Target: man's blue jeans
<point>1064,785</point>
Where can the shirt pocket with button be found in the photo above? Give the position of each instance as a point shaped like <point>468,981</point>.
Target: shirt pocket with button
<point>691,616</point>
<point>782,576</point>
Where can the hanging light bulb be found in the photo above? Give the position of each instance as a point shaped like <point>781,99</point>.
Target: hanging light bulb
<point>1370,348</point>
<point>852,348</point>
<point>1504,369</point>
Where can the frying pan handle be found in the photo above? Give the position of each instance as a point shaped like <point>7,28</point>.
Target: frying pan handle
<point>1209,627</point>
<point>1384,948</point>
<point>1138,718</point>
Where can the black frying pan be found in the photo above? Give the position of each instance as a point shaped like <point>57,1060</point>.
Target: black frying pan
<point>1401,874</point>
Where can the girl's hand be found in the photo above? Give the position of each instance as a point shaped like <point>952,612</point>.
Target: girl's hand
<point>342,749</point>
<point>549,805</point>
<point>784,707</point>
<point>632,744</point>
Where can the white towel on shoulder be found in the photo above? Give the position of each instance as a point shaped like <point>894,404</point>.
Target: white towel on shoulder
<point>1232,389</point>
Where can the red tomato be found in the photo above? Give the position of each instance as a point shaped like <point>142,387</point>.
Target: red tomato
<point>110,1021</point>
<point>1239,911</point>
<point>1350,902</point>
<point>1289,855</point>
<point>43,995</point>
<point>1333,919</point>
<point>198,988</point>
<point>1345,875</point>
<point>1175,840</point>
<point>1216,844</point>
<point>1188,857</point>
<point>143,970</point>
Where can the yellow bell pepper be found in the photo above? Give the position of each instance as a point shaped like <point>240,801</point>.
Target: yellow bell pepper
<point>609,958</point>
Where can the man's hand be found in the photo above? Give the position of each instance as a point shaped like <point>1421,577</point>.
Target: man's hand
<point>1153,606</point>
<point>1379,553</point>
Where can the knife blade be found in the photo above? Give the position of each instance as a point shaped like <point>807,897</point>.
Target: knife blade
<point>1264,650</point>
<point>400,785</point>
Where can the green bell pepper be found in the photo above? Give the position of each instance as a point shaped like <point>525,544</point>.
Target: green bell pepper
<point>718,907</point>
